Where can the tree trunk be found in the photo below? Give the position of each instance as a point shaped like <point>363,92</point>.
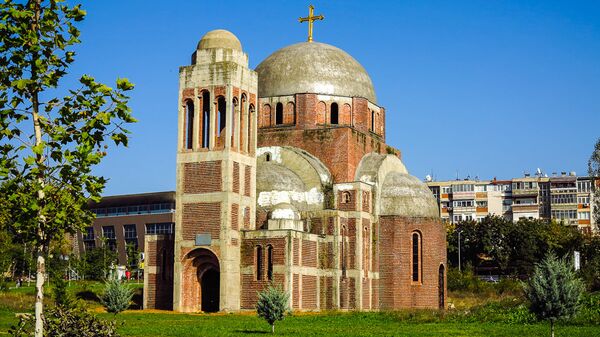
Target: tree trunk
<point>39,297</point>
<point>552,328</point>
<point>273,328</point>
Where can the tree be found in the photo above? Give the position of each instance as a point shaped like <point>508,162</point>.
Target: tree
<point>554,290</point>
<point>117,296</point>
<point>272,304</point>
<point>46,174</point>
<point>594,173</point>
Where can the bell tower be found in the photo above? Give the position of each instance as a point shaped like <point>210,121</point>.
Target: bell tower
<point>216,174</point>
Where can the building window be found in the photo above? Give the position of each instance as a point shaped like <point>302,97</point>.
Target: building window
<point>159,228</point>
<point>189,107</point>
<point>130,235</point>
<point>346,197</point>
<point>334,117</point>
<point>259,263</point>
<point>270,262</point>
<point>279,114</point>
<point>89,234</point>
<point>108,233</point>
<point>416,257</point>
<point>583,215</point>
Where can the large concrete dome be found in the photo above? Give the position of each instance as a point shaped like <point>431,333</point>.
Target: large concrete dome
<point>220,38</point>
<point>312,67</point>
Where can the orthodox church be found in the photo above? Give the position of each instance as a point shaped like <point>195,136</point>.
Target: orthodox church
<point>284,177</point>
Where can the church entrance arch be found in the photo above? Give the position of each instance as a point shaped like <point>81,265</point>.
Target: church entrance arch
<point>202,281</point>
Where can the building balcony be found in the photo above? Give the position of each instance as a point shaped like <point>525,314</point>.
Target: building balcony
<point>525,192</point>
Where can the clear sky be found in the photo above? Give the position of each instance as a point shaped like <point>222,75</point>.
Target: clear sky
<point>485,88</point>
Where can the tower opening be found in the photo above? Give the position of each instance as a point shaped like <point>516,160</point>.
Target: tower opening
<point>279,114</point>
<point>189,107</point>
<point>205,118</point>
<point>222,118</point>
<point>334,118</point>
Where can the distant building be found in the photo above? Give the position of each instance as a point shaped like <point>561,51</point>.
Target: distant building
<point>564,197</point>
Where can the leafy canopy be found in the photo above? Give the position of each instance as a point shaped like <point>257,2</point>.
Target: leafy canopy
<point>47,173</point>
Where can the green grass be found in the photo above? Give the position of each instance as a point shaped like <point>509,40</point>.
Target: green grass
<point>336,324</point>
<point>475,315</point>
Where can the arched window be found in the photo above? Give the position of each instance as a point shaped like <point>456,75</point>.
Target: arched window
<point>279,114</point>
<point>234,103</point>
<point>290,113</point>
<point>189,111</point>
<point>416,257</point>
<point>268,157</point>
<point>250,134</point>
<point>243,128</point>
<point>259,263</point>
<point>205,118</point>
<point>334,118</point>
<point>265,116</point>
<point>346,197</point>
<point>372,120</point>
<point>270,262</point>
<point>222,119</point>
<point>344,233</point>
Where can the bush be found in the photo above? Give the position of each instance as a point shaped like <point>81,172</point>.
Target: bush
<point>117,296</point>
<point>272,304</point>
<point>66,323</point>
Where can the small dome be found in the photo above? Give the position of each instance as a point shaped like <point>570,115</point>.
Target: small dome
<point>405,195</point>
<point>284,211</point>
<point>312,67</point>
<point>220,38</point>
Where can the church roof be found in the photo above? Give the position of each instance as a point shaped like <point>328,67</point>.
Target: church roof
<point>312,67</point>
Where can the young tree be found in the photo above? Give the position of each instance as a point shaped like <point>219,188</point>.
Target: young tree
<point>553,290</point>
<point>117,296</point>
<point>272,304</point>
<point>46,174</point>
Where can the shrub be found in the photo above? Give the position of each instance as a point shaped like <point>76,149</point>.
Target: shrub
<point>66,323</point>
<point>554,290</point>
<point>117,296</point>
<point>61,295</point>
<point>272,304</point>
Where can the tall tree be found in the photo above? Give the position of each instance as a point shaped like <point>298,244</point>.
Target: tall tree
<point>48,143</point>
<point>594,172</point>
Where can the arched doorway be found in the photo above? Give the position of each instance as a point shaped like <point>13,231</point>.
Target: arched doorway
<point>441,288</point>
<point>201,283</point>
<point>210,283</point>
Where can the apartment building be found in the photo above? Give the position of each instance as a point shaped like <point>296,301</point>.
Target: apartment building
<point>564,197</point>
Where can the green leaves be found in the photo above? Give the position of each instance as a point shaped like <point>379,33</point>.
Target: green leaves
<point>124,84</point>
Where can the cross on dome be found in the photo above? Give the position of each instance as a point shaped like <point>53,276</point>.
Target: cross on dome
<point>310,18</point>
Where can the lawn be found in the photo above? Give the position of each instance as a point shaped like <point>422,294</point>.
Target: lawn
<point>474,316</point>
<point>329,324</point>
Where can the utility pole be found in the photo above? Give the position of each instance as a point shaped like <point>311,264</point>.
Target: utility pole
<point>459,267</point>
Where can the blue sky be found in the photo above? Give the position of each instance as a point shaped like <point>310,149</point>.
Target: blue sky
<point>481,88</point>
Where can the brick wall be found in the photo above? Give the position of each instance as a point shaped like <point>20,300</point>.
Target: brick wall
<point>309,292</point>
<point>158,287</point>
<point>202,177</point>
<point>247,180</point>
<point>396,288</point>
<point>202,217</point>
<point>235,223</point>
<point>309,253</point>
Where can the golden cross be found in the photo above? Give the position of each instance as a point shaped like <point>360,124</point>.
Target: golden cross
<point>311,18</point>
